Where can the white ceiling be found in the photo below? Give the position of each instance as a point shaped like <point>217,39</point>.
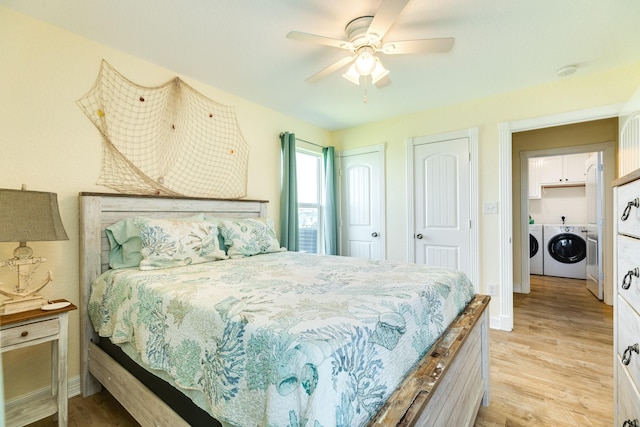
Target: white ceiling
<point>239,46</point>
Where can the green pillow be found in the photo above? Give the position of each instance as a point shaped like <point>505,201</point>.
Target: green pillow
<point>125,244</point>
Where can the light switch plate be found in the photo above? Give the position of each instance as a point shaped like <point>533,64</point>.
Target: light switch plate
<point>490,207</point>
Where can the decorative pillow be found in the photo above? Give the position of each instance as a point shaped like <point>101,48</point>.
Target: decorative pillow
<point>171,243</point>
<point>125,243</point>
<point>247,237</point>
<point>215,220</point>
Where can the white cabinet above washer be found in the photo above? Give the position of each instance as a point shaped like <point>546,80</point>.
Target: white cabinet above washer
<point>563,170</point>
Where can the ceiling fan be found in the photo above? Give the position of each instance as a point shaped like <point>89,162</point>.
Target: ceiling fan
<point>364,39</point>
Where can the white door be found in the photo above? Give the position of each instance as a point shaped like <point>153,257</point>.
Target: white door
<point>442,203</point>
<point>362,203</point>
<point>594,195</point>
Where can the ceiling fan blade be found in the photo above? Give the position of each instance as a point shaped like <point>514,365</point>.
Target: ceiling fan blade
<point>331,68</point>
<point>384,18</point>
<point>326,41</point>
<point>418,46</point>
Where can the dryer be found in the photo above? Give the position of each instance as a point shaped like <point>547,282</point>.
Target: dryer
<point>565,251</point>
<point>536,249</point>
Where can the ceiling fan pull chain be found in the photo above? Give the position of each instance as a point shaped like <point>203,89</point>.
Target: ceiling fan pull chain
<point>365,99</point>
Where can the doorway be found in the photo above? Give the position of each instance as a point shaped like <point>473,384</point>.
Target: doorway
<point>503,319</point>
<point>568,204</point>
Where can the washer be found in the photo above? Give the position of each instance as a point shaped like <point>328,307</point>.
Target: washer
<point>536,251</point>
<point>565,251</point>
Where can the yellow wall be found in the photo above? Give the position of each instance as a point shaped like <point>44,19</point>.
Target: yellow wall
<point>568,94</point>
<point>48,144</point>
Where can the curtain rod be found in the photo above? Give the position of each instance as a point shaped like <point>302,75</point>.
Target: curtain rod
<point>308,142</point>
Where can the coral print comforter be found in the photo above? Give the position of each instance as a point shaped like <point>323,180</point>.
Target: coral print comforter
<point>281,339</point>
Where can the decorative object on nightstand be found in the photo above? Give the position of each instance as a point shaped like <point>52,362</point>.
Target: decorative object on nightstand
<point>27,216</point>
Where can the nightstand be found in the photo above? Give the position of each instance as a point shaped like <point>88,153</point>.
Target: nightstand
<point>19,330</point>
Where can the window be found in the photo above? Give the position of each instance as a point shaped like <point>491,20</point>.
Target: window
<point>310,183</point>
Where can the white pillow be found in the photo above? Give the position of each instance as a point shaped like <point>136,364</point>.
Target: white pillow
<point>251,236</point>
<point>171,242</point>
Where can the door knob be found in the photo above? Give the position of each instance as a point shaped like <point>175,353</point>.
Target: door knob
<point>419,236</point>
<point>374,234</point>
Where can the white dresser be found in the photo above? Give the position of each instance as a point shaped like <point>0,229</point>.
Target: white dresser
<point>627,300</point>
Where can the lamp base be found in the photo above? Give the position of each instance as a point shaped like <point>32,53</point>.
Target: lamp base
<point>18,305</point>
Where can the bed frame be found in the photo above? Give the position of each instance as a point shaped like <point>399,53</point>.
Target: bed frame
<point>446,388</point>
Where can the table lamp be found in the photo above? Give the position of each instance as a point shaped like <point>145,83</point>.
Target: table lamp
<point>27,216</point>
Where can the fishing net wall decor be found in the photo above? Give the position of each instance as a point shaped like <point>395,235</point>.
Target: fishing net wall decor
<point>169,139</point>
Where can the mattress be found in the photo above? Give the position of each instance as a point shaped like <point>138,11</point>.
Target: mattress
<point>283,338</point>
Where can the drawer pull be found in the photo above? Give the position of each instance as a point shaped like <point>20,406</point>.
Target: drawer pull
<point>24,334</point>
<point>631,423</point>
<point>626,281</point>
<point>626,356</point>
<point>627,211</point>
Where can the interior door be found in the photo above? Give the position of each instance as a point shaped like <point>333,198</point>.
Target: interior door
<point>442,204</point>
<point>594,195</point>
<point>362,203</point>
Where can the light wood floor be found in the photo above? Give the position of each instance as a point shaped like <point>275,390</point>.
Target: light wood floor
<point>554,369</point>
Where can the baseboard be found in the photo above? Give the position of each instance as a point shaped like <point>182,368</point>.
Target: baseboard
<point>517,287</point>
<point>501,323</point>
<point>73,389</point>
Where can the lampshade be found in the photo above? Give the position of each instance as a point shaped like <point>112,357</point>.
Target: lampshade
<point>379,72</point>
<point>352,75</point>
<point>29,216</point>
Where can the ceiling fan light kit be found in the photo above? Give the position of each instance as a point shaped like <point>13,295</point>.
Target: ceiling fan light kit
<point>377,74</point>
<point>352,75</point>
<point>366,61</point>
<point>365,39</point>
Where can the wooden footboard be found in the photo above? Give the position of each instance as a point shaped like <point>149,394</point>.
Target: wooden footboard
<point>452,380</point>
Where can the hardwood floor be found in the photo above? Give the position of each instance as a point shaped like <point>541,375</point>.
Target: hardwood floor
<point>554,369</point>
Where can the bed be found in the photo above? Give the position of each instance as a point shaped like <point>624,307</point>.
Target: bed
<point>446,386</point>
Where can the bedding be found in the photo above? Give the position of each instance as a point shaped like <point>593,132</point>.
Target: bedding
<point>283,338</point>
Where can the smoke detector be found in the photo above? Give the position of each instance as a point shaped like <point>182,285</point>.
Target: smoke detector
<point>566,71</point>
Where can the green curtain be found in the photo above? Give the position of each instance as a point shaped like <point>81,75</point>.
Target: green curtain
<point>331,237</point>
<point>288,193</point>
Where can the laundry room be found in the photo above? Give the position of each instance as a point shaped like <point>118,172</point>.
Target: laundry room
<point>565,195</point>
<point>561,202</point>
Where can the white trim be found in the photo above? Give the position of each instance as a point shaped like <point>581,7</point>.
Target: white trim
<point>73,389</point>
<point>474,213</point>
<point>380,149</point>
<point>525,269</point>
<point>473,135</point>
<point>504,320</point>
<point>411,252</point>
<point>505,316</point>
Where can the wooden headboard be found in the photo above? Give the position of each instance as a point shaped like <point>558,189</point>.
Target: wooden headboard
<point>98,210</point>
